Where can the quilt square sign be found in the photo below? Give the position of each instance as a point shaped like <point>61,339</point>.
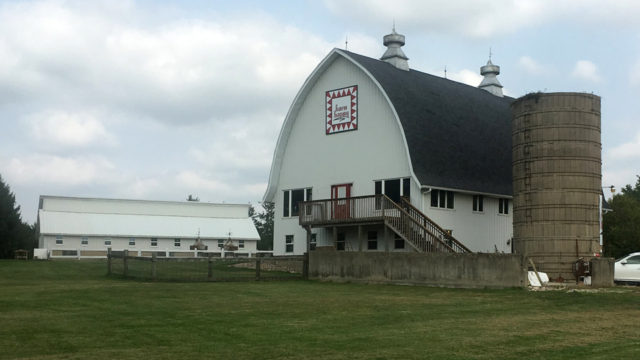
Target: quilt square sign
<point>342,110</point>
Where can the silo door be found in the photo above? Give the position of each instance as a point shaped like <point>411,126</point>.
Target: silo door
<point>340,202</point>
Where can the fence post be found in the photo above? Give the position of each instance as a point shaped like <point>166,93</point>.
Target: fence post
<point>258,268</point>
<point>108,261</point>
<point>305,266</point>
<point>153,265</point>
<point>209,267</point>
<point>125,267</point>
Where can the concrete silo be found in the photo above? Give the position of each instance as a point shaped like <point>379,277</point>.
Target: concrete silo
<point>556,179</point>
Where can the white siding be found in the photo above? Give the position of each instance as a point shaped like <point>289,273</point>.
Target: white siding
<point>314,159</point>
<point>480,231</point>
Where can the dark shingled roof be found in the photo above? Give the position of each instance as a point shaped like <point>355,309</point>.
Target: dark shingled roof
<point>459,136</point>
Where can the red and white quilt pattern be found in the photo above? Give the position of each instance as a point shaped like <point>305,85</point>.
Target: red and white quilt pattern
<point>342,110</point>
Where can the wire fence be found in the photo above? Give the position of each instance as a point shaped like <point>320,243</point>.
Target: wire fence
<point>207,268</point>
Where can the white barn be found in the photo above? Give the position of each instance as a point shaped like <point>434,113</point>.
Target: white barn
<point>87,227</point>
<point>361,127</point>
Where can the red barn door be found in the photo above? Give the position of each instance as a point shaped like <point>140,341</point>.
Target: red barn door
<point>340,195</point>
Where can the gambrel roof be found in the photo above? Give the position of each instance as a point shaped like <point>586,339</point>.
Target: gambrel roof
<point>457,136</point>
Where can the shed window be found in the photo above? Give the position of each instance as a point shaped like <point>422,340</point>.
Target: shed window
<point>442,199</point>
<point>240,244</point>
<point>84,241</point>
<point>176,242</point>
<point>292,199</point>
<point>59,240</point>
<point>154,241</point>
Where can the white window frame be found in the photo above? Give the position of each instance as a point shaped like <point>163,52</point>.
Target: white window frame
<point>59,240</point>
<point>84,241</point>
<point>132,241</point>
<point>220,243</point>
<point>305,192</point>
<point>313,242</point>
<point>176,242</point>
<point>107,242</point>
<point>154,242</point>
<point>240,244</point>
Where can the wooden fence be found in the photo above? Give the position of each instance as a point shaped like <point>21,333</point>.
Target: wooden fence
<point>208,268</point>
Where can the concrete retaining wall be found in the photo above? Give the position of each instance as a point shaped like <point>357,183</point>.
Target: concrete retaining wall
<point>448,270</point>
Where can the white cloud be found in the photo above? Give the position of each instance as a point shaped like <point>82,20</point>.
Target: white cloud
<point>484,18</point>
<point>530,65</point>
<point>69,129</point>
<point>184,71</point>
<point>49,169</point>
<point>465,76</point>
<point>628,150</point>
<point>634,74</point>
<point>586,70</point>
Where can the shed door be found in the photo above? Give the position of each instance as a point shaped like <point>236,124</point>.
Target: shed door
<point>340,195</point>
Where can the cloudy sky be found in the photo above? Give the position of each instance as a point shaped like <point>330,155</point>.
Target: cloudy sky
<point>161,99</point>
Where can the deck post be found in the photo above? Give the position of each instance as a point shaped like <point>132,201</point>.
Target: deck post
<point>335,237</point>
<point>360,247</point>
<point>305,266</point>
<point>386,241</point>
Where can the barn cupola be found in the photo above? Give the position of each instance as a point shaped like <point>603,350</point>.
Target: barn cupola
<point>394,54</point>
<point>490,81</point>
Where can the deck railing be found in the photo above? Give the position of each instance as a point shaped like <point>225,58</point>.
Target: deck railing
<point>415,228</point>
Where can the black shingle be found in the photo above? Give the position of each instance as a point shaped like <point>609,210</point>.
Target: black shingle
<point>459,136</point>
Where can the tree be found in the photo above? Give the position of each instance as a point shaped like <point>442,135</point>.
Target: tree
<point>14,234</point>
<point>263,220</point>
<point>621,227</point>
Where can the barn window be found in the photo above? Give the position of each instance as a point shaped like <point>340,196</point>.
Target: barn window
<point>84,241</point>
<point>107,242</point>
<point>176,242</point>
<point>59,240</point>
<point>398,242</point>
<point>220,244</point>
<point>503,206</point>
<point>154,241</point>
<point>292,199</point>
<point>393,188</point>
<point>314,242</point>
<point>288,243</point>
<point>478,203</point>
<point>132,241</point>
<point>340,241</point>
<point>240,244</point>
<point>442,198</point>
<point>372,240</point>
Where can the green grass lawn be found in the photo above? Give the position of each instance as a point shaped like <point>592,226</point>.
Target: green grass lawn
<point>71,310</point>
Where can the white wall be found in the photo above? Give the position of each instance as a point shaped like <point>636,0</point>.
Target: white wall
<point>122,243</point>
<point>479,231</point>
<point>313,159</point>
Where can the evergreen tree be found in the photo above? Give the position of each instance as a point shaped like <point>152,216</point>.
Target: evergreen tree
<point>621,227</point>
<point>264,224</point>
<point>13,233</point>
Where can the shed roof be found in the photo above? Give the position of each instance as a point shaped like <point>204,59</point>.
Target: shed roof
<point>458,136</point>
<point>136,225</point>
